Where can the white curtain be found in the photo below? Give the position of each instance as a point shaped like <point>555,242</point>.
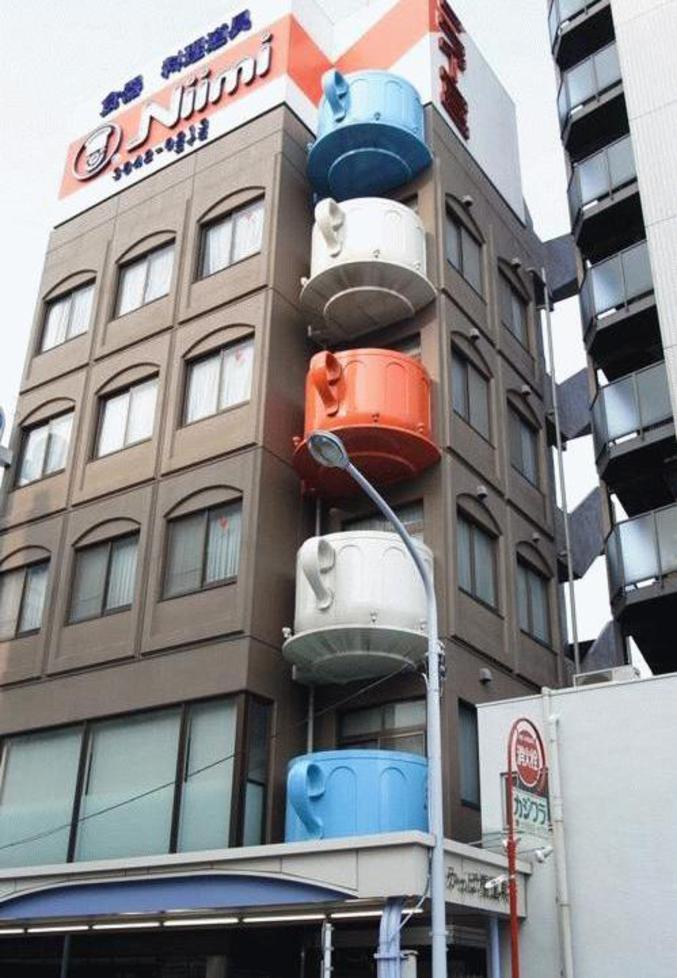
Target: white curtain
<point>59,438</point>
<point>236,374</point>
<point>141,411</point>
<point>216,246</point>
<point>11,586</point>
<point>132,280</point>
<point>34,597</point>
<point>203,387</point>
<point>33,454</point>
<point>113,423</point>
<point>89,582</point>
<point>122,575</point>
<point>56,323</point>
<point>248,230</point>
<point>185,553</point>
<point>159,273</point>
<point>223,542</point>
<point>81,309</point>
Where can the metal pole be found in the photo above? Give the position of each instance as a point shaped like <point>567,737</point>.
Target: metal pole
<point>327,949</point>
<point>562,482</point>
<point>65,956</point>
<point>494,948</point>
<point>434,735</point>
<point>512,866</point>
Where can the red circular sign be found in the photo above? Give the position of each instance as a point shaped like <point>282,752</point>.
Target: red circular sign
<point>528,757</point>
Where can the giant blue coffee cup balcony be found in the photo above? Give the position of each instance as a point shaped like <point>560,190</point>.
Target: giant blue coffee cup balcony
<point>334,794</point>
<point>370,135</point>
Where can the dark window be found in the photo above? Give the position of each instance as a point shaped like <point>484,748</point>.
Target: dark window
<point>513,311</point>
<point>524,447</point>
<point>67,316</point>
<point>391,726</point>
<point>149,783</point>
<point>145,279</point>
<point>464,252</point>
<point>468,754</point>
<point>203,549</point>
<point>126,417</point>
<point>44,449</point>
<point>532,603</point>
<point>22,599</point>
<point>219,380</point>
<point>476,551</point>
<point>232,238</point>
<point>410,346</point>
<point>411,514</point>
<point>470,394</point>
<point>104,578</point>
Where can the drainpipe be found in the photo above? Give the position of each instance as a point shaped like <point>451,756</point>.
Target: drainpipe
<point>551,721</point>
<point>327,949</point>
<point>494,947</point>
<point>389,956</point>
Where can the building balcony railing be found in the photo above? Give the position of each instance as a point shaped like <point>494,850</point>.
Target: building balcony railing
<point>600,176</point>
<point>563,10</point>
<point>587,81</point>
<point>612,285</point>
<point>642,551</point>
<point>631,407</point>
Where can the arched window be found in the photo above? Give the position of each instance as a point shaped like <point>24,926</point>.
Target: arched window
<point>477,551</point>
<point>231,231</point>
<point>464,244</point>
<point>104,570</point>
<point>45,440</point>
<point>533,593</point>
<point>68,310</point>
<point>145,272</point>
<point>23,588</point>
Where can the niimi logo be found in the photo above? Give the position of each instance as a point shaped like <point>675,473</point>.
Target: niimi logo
<point>200,93</point>
<point>96,151</point>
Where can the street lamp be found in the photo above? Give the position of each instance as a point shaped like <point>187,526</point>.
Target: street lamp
<point>328,450</point>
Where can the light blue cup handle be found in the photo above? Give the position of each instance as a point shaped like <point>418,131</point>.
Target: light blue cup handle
<point>306,781</point>
<point>336,92</point>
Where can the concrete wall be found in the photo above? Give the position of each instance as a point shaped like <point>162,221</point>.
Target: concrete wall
<point>619,784</point>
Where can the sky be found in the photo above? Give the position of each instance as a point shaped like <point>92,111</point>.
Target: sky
<point>55,58</point>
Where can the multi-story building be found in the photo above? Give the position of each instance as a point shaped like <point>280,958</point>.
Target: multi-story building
<point>152,517</point>
<point>617,110</point>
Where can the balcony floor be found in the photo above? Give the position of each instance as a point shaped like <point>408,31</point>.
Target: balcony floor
<point>648,614</point>
<point>627,340</point>
<point>636,469</point>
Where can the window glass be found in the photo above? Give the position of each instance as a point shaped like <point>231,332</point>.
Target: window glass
<point>129,758</point>
<point>464,252</point>
<point>513,310</point>
<point>464,549</point>
<point>145,279</point>
<point>453,242</point>
<point>203,549</point>
<point>411,514</point>
<point>67,317</point>
<point>122,573</point>
<point>258,739</point>
<point>22,599</point>
<point>469,754</point>
<point>470,394</point>
<point>113,421</point>
<point>11,589</point>
<point>532,603</point>
<point>127,418</point>
<point>391,726</point>
<point>45,449</point>
<point>203,388</point>
<point>104,578</point>
<point>524,447</point>
<point>232,238</point>
<point>208,777</point>
<point>219,381</point>
<point>37,792</point>
<point>35,588</point>
<point>476,561</point>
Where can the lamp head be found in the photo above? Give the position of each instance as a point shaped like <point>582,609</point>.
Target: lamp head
<point>327,449</point>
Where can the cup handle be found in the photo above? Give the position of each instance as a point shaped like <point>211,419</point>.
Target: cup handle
<point>317,558</point>
<point>330,218</point>
<point>337,93</point>
<point>325,374</point>
<point>306,781</point>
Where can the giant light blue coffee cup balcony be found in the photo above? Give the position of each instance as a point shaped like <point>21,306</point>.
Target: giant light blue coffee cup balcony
<point>333,794</point>
<point>370,135</point>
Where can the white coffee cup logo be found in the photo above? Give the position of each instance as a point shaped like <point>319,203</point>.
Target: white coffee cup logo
<point>96,151</point>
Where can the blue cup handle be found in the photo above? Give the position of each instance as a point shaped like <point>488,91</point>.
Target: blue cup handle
<point>336,92</point>
<point>306,781</point>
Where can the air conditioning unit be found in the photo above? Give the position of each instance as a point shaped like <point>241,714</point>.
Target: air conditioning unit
<point>619,674</point>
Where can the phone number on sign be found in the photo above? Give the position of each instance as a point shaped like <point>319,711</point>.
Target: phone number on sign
<point>173,144</point>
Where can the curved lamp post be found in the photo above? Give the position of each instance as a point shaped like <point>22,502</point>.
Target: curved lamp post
<point>328,450</point>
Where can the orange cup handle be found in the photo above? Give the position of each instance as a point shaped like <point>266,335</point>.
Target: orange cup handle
<point>325,376</point>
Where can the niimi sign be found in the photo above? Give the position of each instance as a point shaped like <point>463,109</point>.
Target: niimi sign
<point>249,60</point>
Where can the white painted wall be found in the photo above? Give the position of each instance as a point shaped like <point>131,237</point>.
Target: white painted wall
<point>619,777</point>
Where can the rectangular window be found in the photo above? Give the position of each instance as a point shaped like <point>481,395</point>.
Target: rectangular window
<point>256,772</point>
<point>37,791</point>
<point>513,311</point>
<point>22,600</point>
<point>411,514</point>
<point>67,317</point>
<point>44,449</point>
<point>219,381</point>
<point>203,549</point>
<point>391,726</point>
<point>145,279</point>
<point>127,417</point>
<point>468,745</point>
<point>232,238</point>
<point>104,578</point>
<point>470,394</point>
<point>464,253</point>
<point>524,447</point>
<point>476,552</point>
<point>532,603</point>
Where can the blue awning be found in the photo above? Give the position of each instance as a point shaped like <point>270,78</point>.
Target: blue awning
<point>159,895</point>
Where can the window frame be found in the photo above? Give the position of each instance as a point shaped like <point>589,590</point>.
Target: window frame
<point>103,399</point>
<point>219,351</point>
<point>533,573</point>
<point>467,365</point>
<point>23,570</point>
<point>383,733</point>
<point>144,257</point>
<point>206,225</point>
<point>61,297</point>
<point>474,528</point>
<point>451,218</point>
<point>415,529</point>
<point>507,289</point>
<point>515,417</point>
<point>204,511</point>
<point>108,544</point>
<point>25,433</point>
